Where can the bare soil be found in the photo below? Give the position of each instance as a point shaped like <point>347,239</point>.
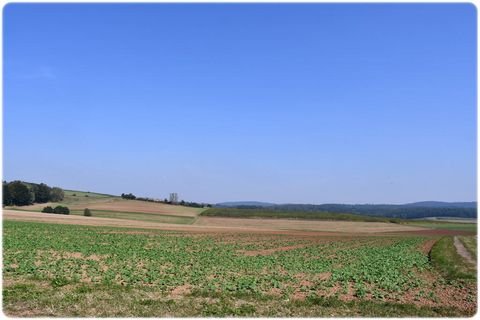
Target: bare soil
<point>427,245</point>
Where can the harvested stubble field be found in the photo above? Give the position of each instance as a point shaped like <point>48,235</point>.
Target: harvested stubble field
<point>210,224</point>
<point>307,225</point>
<point>68,270</point>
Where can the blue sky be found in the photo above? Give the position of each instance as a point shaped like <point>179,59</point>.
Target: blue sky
<point>307,103</point>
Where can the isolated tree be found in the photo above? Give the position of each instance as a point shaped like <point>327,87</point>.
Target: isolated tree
<point>42,193</point>
<point>87,212</point>
<point>20,194</point>
<point>56,194</point>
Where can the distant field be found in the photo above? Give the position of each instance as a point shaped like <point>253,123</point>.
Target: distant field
<point>160,218</point>
<point>309,215</point>
<point>108,205</point>
<point>222,225</point>
<point>451,219</point>
<point>306,225</point>
<point>460,226</point>
<point>70,270</point>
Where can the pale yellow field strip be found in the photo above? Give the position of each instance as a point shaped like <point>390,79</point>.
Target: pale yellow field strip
<point>308,225</point>
<point>206,224</point>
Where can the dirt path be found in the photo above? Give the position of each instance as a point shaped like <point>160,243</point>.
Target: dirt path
<point>427,245</point>
<point>462,250</point>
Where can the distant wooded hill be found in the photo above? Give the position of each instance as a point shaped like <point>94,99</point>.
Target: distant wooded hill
<point>405,211</point>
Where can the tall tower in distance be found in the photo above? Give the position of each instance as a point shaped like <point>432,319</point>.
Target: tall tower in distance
<point>173,197</point>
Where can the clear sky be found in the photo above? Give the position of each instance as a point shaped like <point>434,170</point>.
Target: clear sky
<point>307,103</point>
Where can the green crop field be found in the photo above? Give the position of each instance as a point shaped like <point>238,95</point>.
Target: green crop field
<point>456,226</point>
<point>291,214</point>
<point>64,270</point>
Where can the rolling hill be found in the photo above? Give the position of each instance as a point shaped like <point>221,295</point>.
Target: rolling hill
<point>109,206</point>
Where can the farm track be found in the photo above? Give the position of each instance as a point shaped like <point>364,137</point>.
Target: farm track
<point>462,251</point>
<point>226,225</point>
<point>427,246</point>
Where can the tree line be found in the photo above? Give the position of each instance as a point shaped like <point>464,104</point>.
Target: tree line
<point>131,196</point>
<point>20,193</point>
<point>409,211</point>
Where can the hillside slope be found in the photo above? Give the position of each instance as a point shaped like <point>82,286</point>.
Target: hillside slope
<point>108,206</point>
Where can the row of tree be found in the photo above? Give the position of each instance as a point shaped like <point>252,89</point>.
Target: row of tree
<point>19,193</point>
<point>195,204</point>
<point>402,211</point>
<point>57,210</point>
<point>128,196</point>
<point>131,196</point>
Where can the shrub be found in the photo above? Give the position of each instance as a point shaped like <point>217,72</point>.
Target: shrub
<point>74,195</point>
<point>87,212</point>
<point>48,209</point>
<point>61,210</point>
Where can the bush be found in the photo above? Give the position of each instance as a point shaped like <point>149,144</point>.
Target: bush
<point>87,212</point>
<point>48,209</point>
<point>61,210</point>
